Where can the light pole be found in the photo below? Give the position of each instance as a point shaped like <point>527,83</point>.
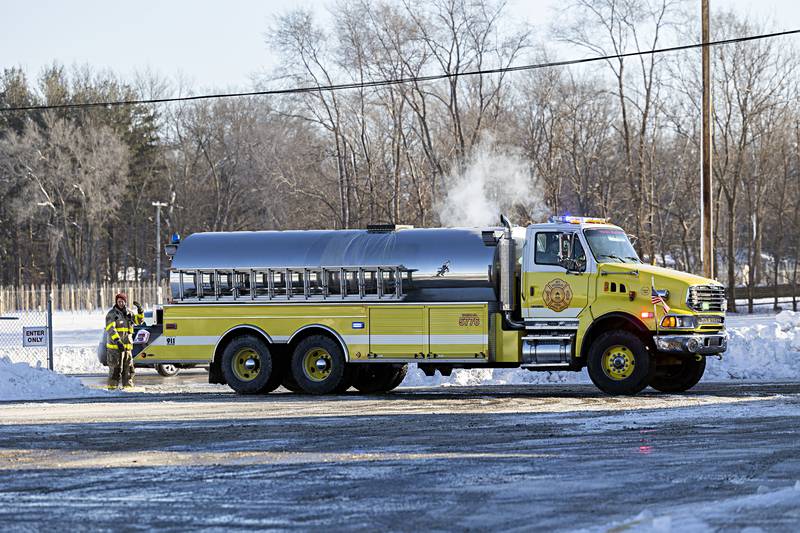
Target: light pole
<point>706,191</point>
<point>158,206</point>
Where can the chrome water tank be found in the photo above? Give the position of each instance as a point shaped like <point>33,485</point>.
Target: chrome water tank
<point>446,264</point>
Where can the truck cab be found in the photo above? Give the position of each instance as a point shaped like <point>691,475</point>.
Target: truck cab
<point>587,299</point>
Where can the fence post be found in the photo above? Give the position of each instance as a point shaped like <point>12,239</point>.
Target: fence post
<point>50,362</point>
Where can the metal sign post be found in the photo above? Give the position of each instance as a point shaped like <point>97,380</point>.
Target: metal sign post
<point>50,360</point>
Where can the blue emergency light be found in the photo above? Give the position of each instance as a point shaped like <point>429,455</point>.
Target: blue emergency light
<point>176,238</point>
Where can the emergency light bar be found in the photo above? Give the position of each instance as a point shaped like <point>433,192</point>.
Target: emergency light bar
<point>566,219</point>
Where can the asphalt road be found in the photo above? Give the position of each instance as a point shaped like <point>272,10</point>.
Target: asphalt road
<point>182,454</point>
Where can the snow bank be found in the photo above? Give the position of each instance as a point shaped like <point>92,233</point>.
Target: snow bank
<point>491,376</point>
<point>766,350</point>
<point>22,382</point>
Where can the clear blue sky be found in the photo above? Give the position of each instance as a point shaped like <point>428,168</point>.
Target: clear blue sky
<point>211,43</point>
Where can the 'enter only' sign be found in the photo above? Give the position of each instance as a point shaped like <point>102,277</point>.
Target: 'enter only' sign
<point>34,336</point>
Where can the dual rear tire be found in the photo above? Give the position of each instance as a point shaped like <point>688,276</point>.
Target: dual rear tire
<point>316,366</point>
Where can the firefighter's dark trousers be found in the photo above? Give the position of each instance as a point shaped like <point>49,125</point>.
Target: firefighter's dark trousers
<point>120,367</point>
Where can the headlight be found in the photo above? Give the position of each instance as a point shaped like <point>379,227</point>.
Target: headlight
<point>679,321</point>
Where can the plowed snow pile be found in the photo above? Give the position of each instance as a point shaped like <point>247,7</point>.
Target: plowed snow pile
<point>767,350</point>
<point>20,381</point>
<point>762,351</point>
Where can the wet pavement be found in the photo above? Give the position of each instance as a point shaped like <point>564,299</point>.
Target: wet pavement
<point>181,454</point>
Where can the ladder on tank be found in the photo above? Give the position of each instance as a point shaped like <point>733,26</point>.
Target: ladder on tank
<point>329,283</point>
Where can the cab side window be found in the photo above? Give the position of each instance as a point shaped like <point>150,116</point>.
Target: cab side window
<point>546,251</point>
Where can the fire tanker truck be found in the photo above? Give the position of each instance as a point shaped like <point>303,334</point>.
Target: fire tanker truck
<point>322,311</point>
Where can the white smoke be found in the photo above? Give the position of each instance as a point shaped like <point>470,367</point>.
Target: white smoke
<point>496,179</point>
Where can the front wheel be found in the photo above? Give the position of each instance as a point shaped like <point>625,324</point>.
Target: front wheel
<point>620,364</point>
<point>678,374</point>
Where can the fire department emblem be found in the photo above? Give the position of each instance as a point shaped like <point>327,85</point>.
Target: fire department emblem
<point>557,295</point>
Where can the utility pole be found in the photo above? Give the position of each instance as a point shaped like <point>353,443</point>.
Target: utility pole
<point>706,189</point>
<point>158,206</point>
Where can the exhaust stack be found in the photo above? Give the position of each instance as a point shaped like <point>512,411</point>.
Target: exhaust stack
<point>507,267</point>
<point>508,274</point>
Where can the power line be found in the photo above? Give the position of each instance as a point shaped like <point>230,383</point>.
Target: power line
<point>398,81</point>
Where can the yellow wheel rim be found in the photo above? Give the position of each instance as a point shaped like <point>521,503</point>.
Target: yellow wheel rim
<point>246,364</point>
<point>618,362</point>
<point>317,363</point>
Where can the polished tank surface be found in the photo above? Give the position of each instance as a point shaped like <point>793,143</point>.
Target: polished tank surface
<point>438,258</point>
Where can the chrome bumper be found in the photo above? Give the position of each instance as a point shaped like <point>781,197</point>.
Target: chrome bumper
<point>692,343</point>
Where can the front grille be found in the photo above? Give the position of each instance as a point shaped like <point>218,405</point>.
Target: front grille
<point>706,298</point>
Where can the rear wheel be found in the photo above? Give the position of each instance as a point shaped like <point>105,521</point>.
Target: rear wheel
<point>318,365</point>
<point>167,370</point>
<point>619,363</point>
<point>678,374</point>
<point>373,378</point>
<point>247,366</point>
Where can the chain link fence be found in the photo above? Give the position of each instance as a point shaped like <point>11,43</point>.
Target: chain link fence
<point>25,337</point>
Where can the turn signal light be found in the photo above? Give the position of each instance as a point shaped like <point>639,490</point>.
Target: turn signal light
<point>669,322</point>
<point>647,314</point>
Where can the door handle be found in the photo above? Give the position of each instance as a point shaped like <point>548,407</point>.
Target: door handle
<point>531,290</point>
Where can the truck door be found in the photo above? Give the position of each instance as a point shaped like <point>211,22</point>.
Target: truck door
<point>549,290</point>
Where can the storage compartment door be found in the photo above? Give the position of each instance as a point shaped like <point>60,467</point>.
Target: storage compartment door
<point>397,332</point>
<point>459,332</point>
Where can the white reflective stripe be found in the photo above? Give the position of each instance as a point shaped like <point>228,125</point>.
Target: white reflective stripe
<point>396,339</point>
<point>187,340</point>
<point>211,340</point>
<point>459,339</point>
<point>543,312</point>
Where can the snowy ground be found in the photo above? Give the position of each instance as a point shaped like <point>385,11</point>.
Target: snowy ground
<point>553,457</point>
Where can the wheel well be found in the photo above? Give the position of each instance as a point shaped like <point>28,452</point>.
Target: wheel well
<point>611,322</point>
<point>308,331</point>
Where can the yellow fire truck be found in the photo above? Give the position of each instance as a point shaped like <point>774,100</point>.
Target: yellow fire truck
<point>322,311</point>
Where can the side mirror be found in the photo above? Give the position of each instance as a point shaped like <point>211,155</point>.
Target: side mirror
<point>566,244</point>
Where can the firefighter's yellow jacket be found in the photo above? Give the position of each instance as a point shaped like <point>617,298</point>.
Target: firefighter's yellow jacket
<point>119,327</point>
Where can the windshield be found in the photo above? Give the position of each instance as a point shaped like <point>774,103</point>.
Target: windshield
<point>610,246</point>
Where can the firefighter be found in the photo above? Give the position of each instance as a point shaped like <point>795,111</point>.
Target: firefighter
<point>119,344</point>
